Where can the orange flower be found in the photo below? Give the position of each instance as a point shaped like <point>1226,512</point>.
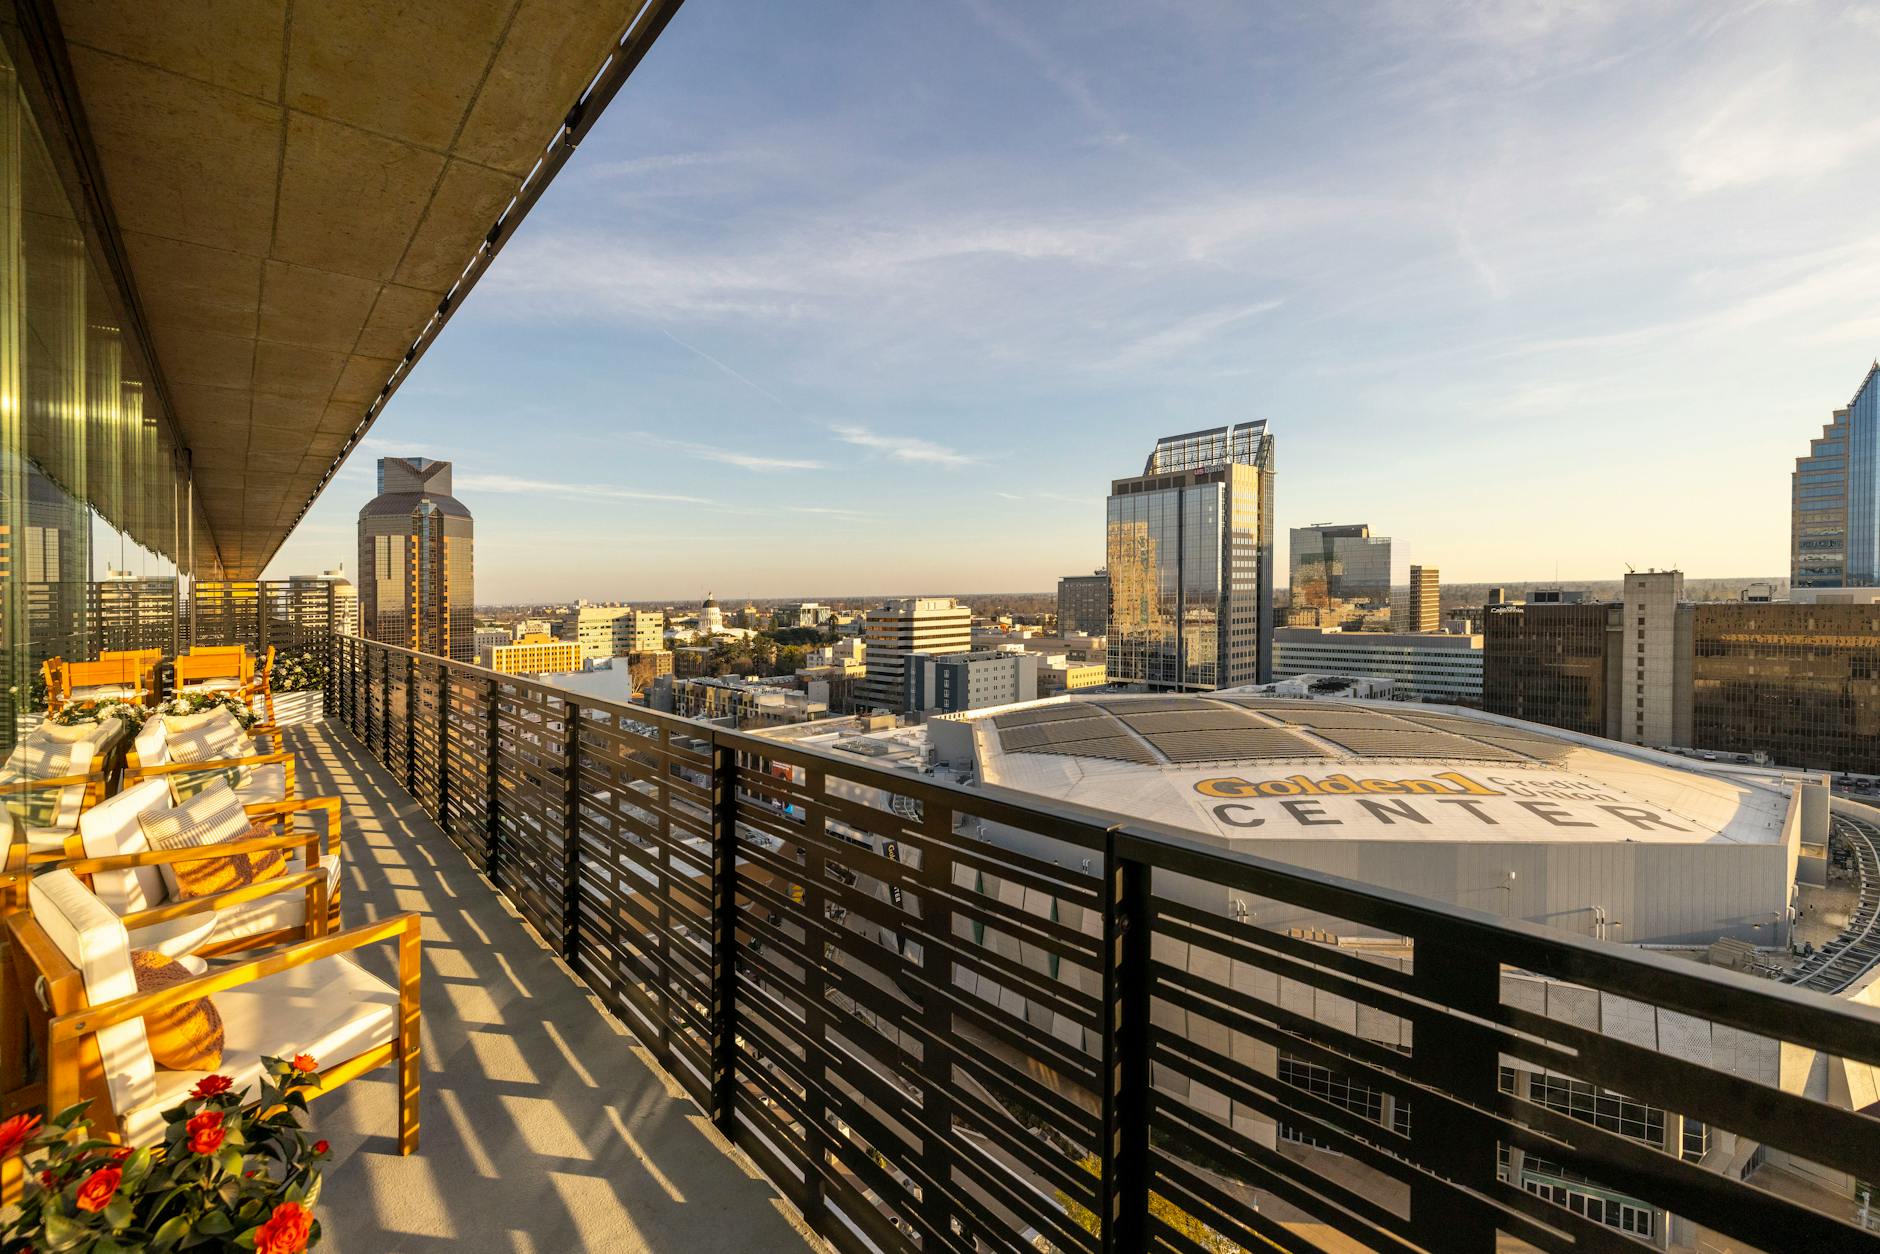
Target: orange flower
<point>304,1063</point>
<point>99,1187</point>
<point>211,1085</point>
<point>16,1131</point>
<point>286,1230</point>
<point>205,1132</point>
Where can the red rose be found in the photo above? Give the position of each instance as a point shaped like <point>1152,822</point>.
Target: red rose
<point>321,1147</point>
<point>16,1131</point>
<point>304,1063</point>
<point>286,1230</point>
<point>99,1187</point>
<point>205,1132</point>
<point>211,1085</point>
<point>48,1181</point>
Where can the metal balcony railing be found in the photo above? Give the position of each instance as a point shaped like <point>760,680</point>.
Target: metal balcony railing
<point>948,1018</point>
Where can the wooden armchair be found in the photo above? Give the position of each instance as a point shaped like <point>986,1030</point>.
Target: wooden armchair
<point>52,777</point>
<point>227,670</point>
<point>196,748</point>
<point>117,677</point>
<point>125,874</point>
<point>146,660</point>
<point>310,998</point>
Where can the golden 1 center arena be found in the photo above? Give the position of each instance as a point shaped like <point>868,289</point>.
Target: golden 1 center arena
<point>1573,832</point>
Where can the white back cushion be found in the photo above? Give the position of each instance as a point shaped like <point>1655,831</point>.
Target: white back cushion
<point>39,757</point>
<point>152,744</point>
<point>92,939</point>
<point>210,741</point>
<point>111,828</point>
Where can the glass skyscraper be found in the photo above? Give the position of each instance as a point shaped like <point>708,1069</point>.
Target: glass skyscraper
<point>1834,530</point>
<point>1190,547</point>
<point>415,567</point>
<point>1343,571</point>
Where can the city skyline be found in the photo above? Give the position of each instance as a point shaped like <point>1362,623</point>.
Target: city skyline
<point>772,307</point>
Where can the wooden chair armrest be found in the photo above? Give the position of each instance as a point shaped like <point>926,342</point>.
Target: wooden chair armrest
<point>314,880</point>
<point>57,781</point>
<point>218,764</point>
<point>405,928</point>
<point>304,805</point>
<point>310,841</point>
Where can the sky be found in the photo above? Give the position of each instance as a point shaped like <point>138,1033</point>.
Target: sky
<point>849,297</point>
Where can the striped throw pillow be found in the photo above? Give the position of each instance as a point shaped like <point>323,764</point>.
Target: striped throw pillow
<point>213,816</point>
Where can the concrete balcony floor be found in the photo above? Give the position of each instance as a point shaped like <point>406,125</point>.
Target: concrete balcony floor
<point>545,1126</point>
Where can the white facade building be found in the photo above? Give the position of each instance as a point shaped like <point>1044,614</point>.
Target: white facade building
<point>1423,666</point>
<point>899,630</point>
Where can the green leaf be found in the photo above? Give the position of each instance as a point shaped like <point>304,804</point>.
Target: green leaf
<point>118,1212</point>
<point>63,1233</point>
<point>313,1189</point>
<point>229,1159</point>
<point>246,1241</point>
<point>213,1223</point>
<point>170,1233</point>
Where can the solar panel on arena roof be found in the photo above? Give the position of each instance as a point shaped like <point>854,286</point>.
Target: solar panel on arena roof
<point>1236,745</point>
<point>1112,748</point>
<point>1413,744</point>
<point>1042,714</point>
<point>1357,720</point>
<point>1150,705</point>
<point>1207,718</point>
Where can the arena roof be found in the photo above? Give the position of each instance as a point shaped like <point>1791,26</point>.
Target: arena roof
<point>1266,768</point>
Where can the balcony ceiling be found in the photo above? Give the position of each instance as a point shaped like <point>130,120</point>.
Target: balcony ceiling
<point>296,187</point>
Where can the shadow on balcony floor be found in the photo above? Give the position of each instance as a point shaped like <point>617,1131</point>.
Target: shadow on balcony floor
<point>544,1128</point>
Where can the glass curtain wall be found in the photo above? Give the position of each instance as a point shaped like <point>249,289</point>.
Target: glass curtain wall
<point>90,489</point>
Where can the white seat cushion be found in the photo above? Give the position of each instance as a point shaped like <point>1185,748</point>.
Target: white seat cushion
<point>332,1009</point>
<point>255,785</point>
<point>219,684</point>
<point>93,940</point>
<point>177,938</point>
<point>104,692</point>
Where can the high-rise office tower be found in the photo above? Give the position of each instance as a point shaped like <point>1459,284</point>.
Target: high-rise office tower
<point>1190,545</point>
<point>1834,520</point>
<point>415,586</point>
<point>1426,599</point>
<point>895,633</point>
<point>1343,571</point>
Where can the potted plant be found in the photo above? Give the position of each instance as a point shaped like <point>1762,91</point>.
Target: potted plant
<point>299,683</point>
<point>197,702</point>
<point>228,1175</point>
<point>73,713</point>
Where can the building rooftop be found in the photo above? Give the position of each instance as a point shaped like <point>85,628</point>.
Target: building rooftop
<point>1367,765</point>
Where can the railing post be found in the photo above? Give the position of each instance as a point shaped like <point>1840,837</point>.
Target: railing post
<point>385,709</point>
<point>571,833</point>
<point>1459,1057</point>
<point>724,1012</point>
<point>411,725</point>
<point>1123,1157</point>
<point>492,842</point>
<point>443,750</point>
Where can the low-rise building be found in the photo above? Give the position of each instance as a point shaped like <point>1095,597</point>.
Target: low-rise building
<point>613,630</point>
<point>534,654</point>
<point>745,702</point>
<point>1423,666</point>
<point>953,682</point>
<point>1058,673</point>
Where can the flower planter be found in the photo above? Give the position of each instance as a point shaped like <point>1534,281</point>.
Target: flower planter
<point>294,708</point>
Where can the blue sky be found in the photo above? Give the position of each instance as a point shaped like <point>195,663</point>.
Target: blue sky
<point>857,297</point>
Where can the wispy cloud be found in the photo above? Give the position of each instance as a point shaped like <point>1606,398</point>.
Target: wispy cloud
<point>1185,333</point>
<point>474,482</point>
<point>731,457</point>
<point>998,19</point>
<point>903,448</point>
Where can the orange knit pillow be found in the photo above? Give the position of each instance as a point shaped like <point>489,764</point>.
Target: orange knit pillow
<point>186,1036</point>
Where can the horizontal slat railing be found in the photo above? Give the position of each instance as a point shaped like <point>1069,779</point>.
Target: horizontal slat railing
<point>949,1018</point>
